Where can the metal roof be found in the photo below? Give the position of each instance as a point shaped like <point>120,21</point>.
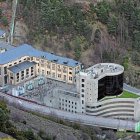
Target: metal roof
<point>27,50</point>
<point>21,66</point>
<point>2,32</point>
<point>4,45</point>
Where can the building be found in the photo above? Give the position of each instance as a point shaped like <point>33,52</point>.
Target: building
<point>98,81</point>
<point>22,63</point>
<point>27,68</point>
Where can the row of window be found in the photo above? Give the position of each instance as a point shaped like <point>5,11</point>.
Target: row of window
<point>68,110</point>
<point>54,67</point>
<point>67,101</point>
<point>59,75</point>
<point>62,104</point>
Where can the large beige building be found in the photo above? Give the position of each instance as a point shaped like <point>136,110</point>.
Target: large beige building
<point>22,63</point>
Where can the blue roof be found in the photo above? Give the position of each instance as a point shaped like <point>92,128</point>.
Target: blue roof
<point>6,46</point>
<point>21,66</point>
<point>1,32</point>
<point>27,50</point>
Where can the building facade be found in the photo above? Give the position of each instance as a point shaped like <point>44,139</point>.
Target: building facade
<point>98,81</point>
<point>24,63</point>
<point>19,64</point>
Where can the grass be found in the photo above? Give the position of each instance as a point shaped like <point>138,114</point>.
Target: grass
<point>125,94</point>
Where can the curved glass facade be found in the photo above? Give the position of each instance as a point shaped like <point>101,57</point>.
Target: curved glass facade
<point>110,86</point>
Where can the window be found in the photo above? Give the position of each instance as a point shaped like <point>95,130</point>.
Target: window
<point>58,66</point>
<point>43,72</point>
<point>70,72</point>
<point>83,85</point>
<point>27,71</point>
<point>70,78</point>
<point>82,90</point>
<point>82,95</point>
<point>48,73</point>
<point>5,70</point>
<point>83,80</point>
<point>53,75</point>
<point>59,75</point>
<point>82,101</point>
<point>53,66</point>
<point>48,65</point>
<point>65,78</point>
<point>22,73</point>
<point>22,77</point>
<point>64,69</point>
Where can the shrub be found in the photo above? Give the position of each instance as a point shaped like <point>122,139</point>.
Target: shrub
<point>4,21</point>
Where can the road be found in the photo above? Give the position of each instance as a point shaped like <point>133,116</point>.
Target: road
<point>131,89</point>
<point>80,118</point>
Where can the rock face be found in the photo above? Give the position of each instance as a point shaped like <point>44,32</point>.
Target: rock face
<point>24,121</point>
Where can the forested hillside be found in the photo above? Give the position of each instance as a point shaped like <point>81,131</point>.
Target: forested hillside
<point>88,32</point>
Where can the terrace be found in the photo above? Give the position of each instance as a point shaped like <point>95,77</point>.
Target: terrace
<point>125,94</point>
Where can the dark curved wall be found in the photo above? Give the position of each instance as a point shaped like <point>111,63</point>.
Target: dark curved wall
<point>110,86</point>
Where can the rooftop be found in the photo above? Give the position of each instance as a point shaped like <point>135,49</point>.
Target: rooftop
<point>2,32</point>
<point>5,46</point>
<point>102,69</point>
<point>27,50</point>
<point>21,66</point>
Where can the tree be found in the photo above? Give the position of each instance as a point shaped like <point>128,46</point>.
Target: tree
<point>4,21</point>
<point>102,10</point>
<point>97,36</point>
<point>112,25</point>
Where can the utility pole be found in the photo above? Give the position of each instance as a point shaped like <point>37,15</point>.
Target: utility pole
<point>12,24</point>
